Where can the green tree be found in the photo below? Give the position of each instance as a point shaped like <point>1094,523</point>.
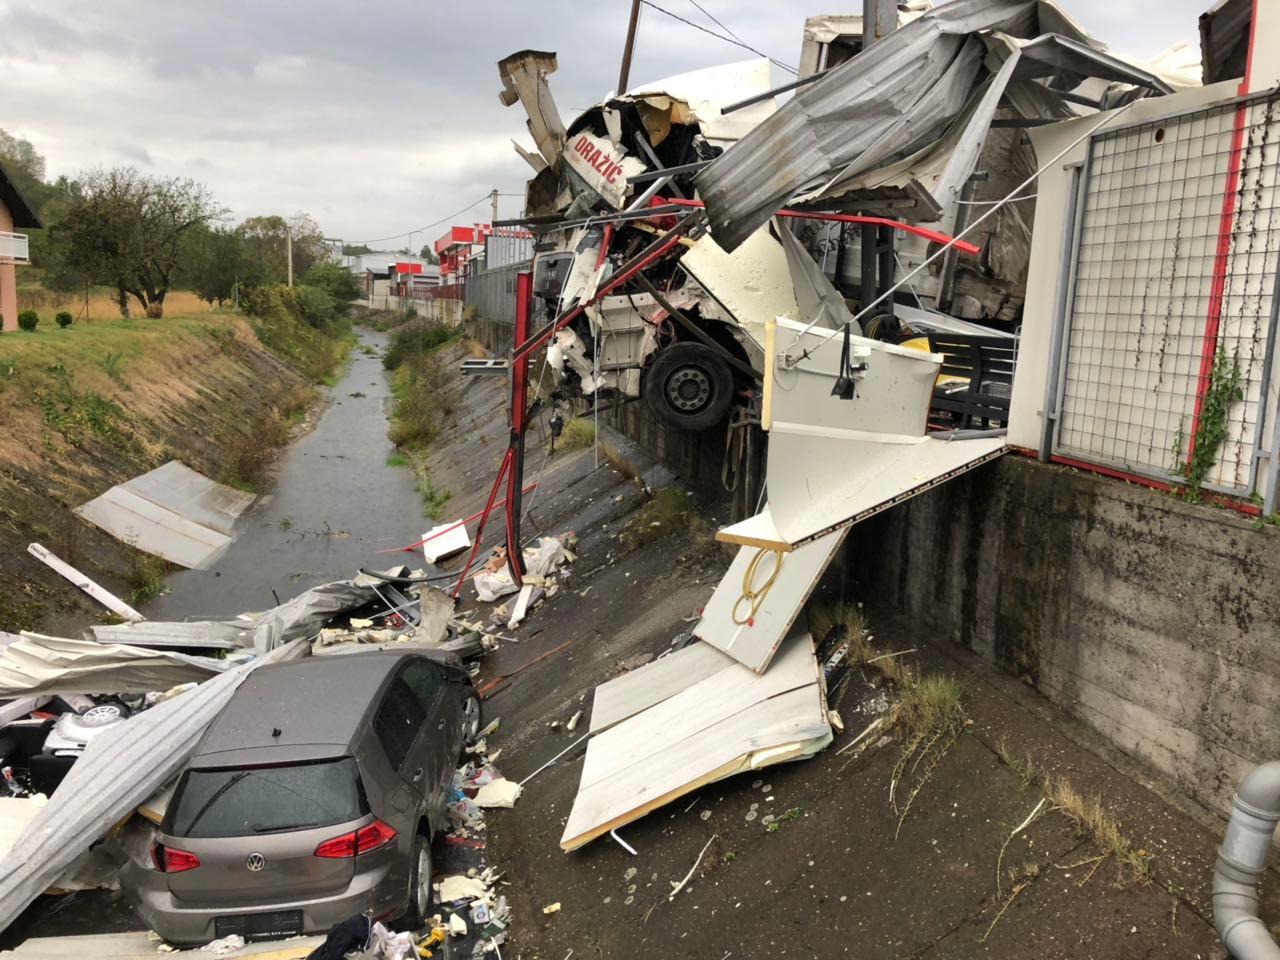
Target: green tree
<point>355,249</point>
<point>267,239</point>
<point>429,254</point>
<point>337,281</point>
<point>128,231</point>
<point>219,260</point>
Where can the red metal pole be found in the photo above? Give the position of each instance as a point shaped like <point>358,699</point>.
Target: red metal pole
<point>484,517</point>
<point>519,414</point>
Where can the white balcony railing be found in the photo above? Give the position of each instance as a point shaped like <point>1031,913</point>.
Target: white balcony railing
<point>14,248</point>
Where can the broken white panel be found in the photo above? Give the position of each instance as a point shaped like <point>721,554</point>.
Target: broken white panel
<point>40,664</point>
<point>752,286</point>
<point>601,166</point>
<point>731,721</point>
<point>752,639</point>
<point>78,579</point>
<point>639,689</point>
<point>524,78</point>
<point>16,814</point>
<point>834,462</point>
<point>172,512</point>
<point>193,495</point>
<point>704,92</point>
<point>445,540</point>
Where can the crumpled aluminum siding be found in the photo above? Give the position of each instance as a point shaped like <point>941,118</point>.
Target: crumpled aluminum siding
<point>893,99</point>
<point>39,664</point>
<point>120,768</point>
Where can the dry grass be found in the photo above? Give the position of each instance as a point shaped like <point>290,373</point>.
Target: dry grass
<point>578,434</point>
<point>930,713</point>
<point>1086,812</point>
<point>102,305</point>
<point>850,622</point>
<point>669,511</point>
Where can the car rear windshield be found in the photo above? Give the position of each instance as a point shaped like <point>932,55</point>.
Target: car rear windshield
<point>242,802</point>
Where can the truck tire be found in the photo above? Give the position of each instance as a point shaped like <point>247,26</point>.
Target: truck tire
<point>688,386</point>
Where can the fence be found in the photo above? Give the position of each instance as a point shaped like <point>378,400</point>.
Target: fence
<point>493,292</point>
<point>505,247</point>
<point>1170,314</point>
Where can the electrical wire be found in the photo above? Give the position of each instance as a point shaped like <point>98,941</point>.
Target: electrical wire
<point>436,223</point>
<point>711,16</point>
<point>721,36</point>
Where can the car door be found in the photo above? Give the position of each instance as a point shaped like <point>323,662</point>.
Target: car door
<point>438,746</point>
<point>399,724</point>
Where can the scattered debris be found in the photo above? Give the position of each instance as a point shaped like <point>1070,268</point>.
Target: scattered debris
<point>498,793</point>
<point>551,908</point>
<point>99,593</point>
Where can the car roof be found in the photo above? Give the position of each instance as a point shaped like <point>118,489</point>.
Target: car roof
<point>318,705</point>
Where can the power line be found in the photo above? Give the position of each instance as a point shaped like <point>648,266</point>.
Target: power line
<point>710,16</point>
<point>434,223</point>
<point>720,36</point>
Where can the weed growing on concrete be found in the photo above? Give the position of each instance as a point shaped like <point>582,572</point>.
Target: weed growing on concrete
<point>1019,879</point>
<point>397,459</point>
<point>850,622</point>
<point>1019,764</point>
<point>433,498</point>
<point>931,714</point>
<point>578,435</point>
<point>145,577</point>
<point>1087,813</point>
<point>424,398</point>
<point>1092,819</point>
<point>669,511</point>
<point>773,826</point>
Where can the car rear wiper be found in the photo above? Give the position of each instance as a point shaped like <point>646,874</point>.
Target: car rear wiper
<point>236,778</point>
<point>272,828</point>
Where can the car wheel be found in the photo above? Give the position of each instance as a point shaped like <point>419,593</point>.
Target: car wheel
<point>471,719</point>
<point>420,882</point>
<point>689,386</point>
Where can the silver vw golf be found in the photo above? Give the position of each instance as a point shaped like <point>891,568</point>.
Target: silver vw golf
<point>314,796</point>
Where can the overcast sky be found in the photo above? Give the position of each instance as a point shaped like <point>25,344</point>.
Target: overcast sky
<point>374,117</point>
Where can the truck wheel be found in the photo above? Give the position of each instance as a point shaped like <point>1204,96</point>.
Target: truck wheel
<point>689,386</point>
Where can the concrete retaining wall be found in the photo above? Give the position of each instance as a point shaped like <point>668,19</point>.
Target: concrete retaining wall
<point>1154,621</point>
<point>442,311</point>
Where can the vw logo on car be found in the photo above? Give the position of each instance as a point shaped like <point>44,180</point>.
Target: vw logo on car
<point>255,862</point>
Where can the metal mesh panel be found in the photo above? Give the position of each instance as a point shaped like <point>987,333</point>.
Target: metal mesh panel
<point>1158,290</point>
<point>493,292</point>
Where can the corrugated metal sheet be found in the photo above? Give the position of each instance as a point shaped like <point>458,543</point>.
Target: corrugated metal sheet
<point>39,664</point>
<point>893,103</point>
<point>121,767</point>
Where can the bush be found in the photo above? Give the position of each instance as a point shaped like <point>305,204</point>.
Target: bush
<point>414,339</point>
<point>63,319</point>
<point>293,326</point>
<point>311,305</point>
<point>338,282</point>
<point>27,320</point>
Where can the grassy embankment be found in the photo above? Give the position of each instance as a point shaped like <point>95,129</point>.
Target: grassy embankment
<point>87,407</point>
<point>425,398</point>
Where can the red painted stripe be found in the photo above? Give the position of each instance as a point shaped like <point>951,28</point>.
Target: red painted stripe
<point>1218,286</point>
<point>933,236</point>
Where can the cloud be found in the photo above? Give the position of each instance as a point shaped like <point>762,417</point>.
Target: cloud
<point>374,117</point>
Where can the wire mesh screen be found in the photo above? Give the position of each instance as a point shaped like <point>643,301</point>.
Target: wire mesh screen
<point>1173,293</point>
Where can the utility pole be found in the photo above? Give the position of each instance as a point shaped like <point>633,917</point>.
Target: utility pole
<point>288,231</point>
<point>626,50</point>
<point>493,202</point>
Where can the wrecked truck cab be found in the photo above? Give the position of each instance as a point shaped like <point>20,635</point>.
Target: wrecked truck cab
<point>685,347</point>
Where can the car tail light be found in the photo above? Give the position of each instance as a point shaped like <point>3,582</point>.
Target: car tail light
<point>375,835</point>
<point>169,860</point>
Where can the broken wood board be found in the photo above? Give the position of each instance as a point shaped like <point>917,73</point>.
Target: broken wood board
<point>78,579</point>
<point>757,531</point>
<point>640,689</point>
<point>172,512</point>
<point>139,946</point>
<point>728,722</point>
<point>752,639</point>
